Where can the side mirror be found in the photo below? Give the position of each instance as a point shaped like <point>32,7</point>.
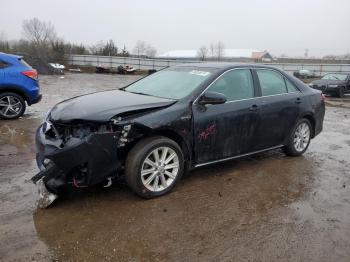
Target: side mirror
<point>212,98</point>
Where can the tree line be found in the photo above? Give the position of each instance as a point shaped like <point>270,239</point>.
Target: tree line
<point>40,40</point>
<point>215,51</point>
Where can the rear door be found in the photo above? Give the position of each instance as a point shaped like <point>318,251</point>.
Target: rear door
<point>279,107</point>
<point>226,130</point>
<point>3,72</point>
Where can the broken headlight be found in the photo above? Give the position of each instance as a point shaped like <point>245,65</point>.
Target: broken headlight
<point>83,130</point>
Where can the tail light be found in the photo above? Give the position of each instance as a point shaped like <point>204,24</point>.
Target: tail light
<point>33,74</point>
<point>323,97</point>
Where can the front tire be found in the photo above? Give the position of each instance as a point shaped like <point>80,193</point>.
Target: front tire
<point>154,166</point>
<point>299,139</point>
<point>12,105</point>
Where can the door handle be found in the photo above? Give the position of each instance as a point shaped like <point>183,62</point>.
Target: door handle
<point>298,100</point>
<point>253,108</point>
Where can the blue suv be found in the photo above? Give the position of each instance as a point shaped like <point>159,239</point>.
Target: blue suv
<point>18,84</point>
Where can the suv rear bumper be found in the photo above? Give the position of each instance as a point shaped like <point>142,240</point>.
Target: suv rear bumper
<point>36,100</point>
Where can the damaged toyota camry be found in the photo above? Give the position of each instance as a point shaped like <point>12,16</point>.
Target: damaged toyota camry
<point>182,117</point>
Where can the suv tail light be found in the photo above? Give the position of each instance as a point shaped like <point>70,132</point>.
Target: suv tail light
<point>33,74</point>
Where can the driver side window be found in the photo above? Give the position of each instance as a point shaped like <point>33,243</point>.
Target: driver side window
<point>235,85</point>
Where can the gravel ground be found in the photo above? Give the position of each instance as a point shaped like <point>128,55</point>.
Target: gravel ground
<point>267,207</point>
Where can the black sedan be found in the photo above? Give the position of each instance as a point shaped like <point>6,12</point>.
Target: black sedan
<point>333,84</point>
<point>176,119</point>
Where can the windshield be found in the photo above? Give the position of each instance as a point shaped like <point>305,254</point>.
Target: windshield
<point>173,83</point>
<point>341,77</point>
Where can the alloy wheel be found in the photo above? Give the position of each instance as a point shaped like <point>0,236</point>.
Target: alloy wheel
<point>160,169</point>
<point>301,137</point>
<point>10,106</point>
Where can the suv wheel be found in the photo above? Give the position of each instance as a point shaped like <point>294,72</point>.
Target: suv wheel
<point>12,106</point>
<point>300,138</point>
<point>154,166</point>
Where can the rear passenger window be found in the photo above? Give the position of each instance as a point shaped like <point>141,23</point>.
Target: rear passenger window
<point>2,64</point>
<point>25,63</point>
<point>235,85</point>
<point>291,87</point>
<point>271,82</point>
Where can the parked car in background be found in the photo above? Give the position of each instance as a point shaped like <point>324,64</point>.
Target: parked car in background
<point>181,117</point>
<point>103,69</point>
<point>337,84</point>
<point>57,68</point>
<point>126,69</point>
<point>304,73</point>
<point>18,85</point>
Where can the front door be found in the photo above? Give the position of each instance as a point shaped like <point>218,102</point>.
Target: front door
<point>229,129</point>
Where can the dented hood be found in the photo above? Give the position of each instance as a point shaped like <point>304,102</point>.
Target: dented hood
<point>102,106</point>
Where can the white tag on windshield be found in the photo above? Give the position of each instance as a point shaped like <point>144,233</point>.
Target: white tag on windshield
<point>199,73</point>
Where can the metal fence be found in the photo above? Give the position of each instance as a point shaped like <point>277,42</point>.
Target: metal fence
<point>157,64</point>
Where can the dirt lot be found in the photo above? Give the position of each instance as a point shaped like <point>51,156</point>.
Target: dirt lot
<point>263,208</point>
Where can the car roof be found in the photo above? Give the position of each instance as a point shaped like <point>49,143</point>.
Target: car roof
<point>5,55</point>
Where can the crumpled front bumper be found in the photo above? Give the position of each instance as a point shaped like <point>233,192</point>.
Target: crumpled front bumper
<point>97,153</point>
<point>46,198</point>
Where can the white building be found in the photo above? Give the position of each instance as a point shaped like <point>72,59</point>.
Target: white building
<point>251,54</point>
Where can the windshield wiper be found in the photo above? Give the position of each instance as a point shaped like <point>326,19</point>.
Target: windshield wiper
<point>139,93</point>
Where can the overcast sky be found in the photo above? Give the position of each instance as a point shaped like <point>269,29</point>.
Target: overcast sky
<point>279,26</point>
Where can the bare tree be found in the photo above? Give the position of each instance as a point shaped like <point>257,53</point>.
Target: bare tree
<point>4,44</point>
<point>124,52</point>
<point>39,32</point>
<point>330,57</point>
<point>110,49</point>
<point>2,36</point>
<point>219,50</point>
<point>140,48</point>
<point>212,50</point>
<point>202,53</point>
<point>150,51</point>
<point>96,49</point>
<point>346,56</point>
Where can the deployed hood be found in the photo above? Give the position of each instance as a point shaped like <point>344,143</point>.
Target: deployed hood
<point>102,106</point>
<point>327,82</point>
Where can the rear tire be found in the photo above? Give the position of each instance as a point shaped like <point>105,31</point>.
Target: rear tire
<point>341,92</point>
<point>299,139</point>
<point>12,105</point>
<point>154,166</point>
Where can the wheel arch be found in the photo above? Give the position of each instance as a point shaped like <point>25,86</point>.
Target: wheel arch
<point>312,121</point>
<point>173,135</point>
<point>144,132</point>
<point>16,90</point>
